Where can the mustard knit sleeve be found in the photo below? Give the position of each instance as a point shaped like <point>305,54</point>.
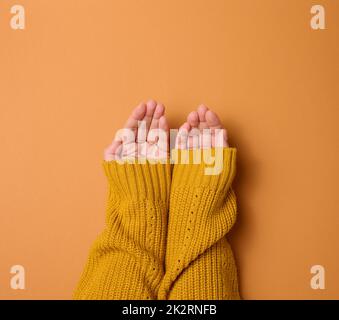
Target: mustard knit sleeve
<point>127,259</point>
<point>199,260</point>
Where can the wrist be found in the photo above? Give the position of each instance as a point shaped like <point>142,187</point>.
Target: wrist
<point>139,181</point>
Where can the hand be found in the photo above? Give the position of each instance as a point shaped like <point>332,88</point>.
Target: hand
<point>202,129</point>
<point>145,135</point>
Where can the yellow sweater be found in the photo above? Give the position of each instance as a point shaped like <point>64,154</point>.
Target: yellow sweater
<point>165,235</point>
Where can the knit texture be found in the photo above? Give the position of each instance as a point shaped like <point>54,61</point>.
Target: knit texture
<point>127,259</point>
<point>199,260</point>
<point>143,255</point>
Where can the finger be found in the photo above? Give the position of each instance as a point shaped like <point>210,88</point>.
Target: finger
<point>182,137</point>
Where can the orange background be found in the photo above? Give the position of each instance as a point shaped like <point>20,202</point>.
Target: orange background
<point>71,78</point>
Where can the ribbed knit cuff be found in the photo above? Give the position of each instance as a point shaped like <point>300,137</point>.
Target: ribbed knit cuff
<point>214,168</point>
<point>139,181</point>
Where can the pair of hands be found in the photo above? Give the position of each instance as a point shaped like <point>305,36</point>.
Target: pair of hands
<point>146,133</point>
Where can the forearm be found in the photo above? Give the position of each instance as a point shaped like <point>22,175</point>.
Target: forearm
<point>202,211</point>
<point>212,276</point>
<point>127,259</point>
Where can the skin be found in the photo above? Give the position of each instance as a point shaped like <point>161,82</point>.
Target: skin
<point>197,121</point>
<point>148,145</point>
